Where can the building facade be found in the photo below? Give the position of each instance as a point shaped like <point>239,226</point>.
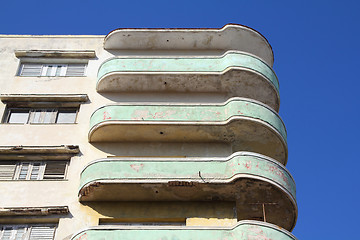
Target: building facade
<point>143,134</point>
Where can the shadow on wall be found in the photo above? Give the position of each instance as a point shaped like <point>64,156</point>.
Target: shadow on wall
<point>165,149</point>
<point>161,211</point>
<point>162,97</point>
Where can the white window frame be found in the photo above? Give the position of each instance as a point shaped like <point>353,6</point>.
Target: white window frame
<point>27,230</point>
<point>53,68</point>
<point>31,164</point>
<point>50,69</point>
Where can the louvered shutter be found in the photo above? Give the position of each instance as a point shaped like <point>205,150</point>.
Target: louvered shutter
<point>55,170</point>
<point>31,70</point>
<point>7,232</point>
<point>42,233</point>
<point>7,170</point>
<point>75,70</point>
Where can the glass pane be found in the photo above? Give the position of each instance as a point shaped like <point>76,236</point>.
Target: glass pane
<point>23,171</point>
<point>55,170</point>
<point>48,118</point>
<point>37,117</point>
<point>35,171</point>
<point>49,70</point>
<point>20,234</point>
<point>18,116</point>
<point>66,116</point>
<point>58,70</point>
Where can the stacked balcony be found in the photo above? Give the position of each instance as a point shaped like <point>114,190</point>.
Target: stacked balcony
<point>246,124</point>
<point>254,176</point>
<point>234,74</point>
<point>245,177</point>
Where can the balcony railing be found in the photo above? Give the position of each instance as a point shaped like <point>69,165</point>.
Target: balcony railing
<point>245,124</point>
<point>235,74</point>
<point>242,230</point>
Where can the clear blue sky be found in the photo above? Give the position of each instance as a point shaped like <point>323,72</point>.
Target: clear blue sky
<point>316,46</point>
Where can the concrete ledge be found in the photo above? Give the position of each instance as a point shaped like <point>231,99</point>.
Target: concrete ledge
<point>38,152</point>
<point>34,211</point>
<point>6,98</point>
<point>55,54</point>
<point>63,149</point>
<point>230,37</point>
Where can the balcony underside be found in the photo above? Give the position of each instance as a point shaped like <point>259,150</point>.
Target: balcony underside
<point>245,124</point>
<point>234,74</point>
<point>230,37</point>
<point>247,178</point>
<point>243,230</point>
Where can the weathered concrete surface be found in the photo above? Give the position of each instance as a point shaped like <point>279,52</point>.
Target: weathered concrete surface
<point>248,125</point>
<point>234,73</point>
<point>230,37</point>
<point>179,171</point>
<point>247,178</point>
<point>243,230</point>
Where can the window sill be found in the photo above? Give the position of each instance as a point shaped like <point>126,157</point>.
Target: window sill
<point>39,123</point>
<point>41,180</point>
<point>50,76</point>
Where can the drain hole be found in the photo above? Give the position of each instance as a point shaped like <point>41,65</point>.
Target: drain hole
<point>161,133</point>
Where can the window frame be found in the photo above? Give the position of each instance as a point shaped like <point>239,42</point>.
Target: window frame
<point>44,67</point>
<point>32,111</point>
<point>27,230</point>
<point>29,172</point>
<point>41,172</point>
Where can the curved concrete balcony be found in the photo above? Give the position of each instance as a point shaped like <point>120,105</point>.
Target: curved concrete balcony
<point>249,179</point>
<point>244,123</point>
<point>242,230</point>
<point>234,74</point>
<point>230,37</point>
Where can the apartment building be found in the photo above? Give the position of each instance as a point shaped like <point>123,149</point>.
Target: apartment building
<point>143,134</point>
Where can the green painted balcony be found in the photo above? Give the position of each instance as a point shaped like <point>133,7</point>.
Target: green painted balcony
<point>233,74</point>
<point>245,124</point>
<point>230,37</point>
<point>255,182</point>
<point>244,230</point>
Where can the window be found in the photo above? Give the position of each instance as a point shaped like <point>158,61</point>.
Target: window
<point>27,232</point>
<point>33,170</point>
<point>41,115</point>
<point>143,222</point>
<point>52,70</point>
